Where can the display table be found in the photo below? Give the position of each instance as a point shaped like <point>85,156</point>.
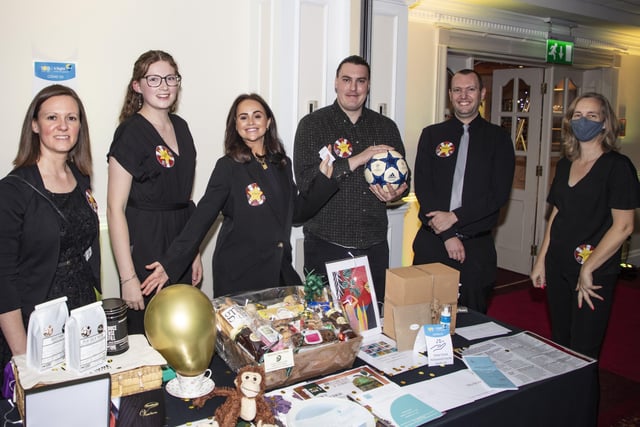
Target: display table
<point>570,399</point>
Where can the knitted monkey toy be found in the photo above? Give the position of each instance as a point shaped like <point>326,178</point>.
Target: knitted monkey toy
<point>245,401</point>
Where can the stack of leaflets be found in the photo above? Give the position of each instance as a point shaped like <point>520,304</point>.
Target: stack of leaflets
<point>484,368</point>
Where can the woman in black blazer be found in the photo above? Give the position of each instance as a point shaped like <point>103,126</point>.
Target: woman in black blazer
<point>49,244</point>
<point>252,187</point>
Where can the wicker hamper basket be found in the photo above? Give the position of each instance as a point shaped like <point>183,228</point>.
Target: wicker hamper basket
<point>123,383</point>
<point>310,361</point>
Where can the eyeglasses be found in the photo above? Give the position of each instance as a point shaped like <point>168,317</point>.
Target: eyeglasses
<point>153,80</point>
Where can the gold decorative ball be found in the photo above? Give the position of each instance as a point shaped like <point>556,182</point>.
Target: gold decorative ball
<point>180,324</point>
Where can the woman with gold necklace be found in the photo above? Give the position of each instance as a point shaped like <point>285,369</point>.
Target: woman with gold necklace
<point>252,187</point>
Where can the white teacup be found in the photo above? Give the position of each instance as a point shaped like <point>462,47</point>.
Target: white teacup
<point>192,385</point>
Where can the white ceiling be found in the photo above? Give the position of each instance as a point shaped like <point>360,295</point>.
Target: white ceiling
<point>615,20</point>
<point>615,14</point>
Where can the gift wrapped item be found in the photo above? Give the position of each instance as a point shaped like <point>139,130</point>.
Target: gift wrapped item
<point>315,339</point>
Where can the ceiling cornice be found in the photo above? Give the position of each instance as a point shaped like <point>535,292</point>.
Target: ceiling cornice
<point>519,26</point>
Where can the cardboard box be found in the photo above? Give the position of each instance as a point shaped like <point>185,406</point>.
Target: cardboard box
<point>430,284</point>
<point>421,283</point>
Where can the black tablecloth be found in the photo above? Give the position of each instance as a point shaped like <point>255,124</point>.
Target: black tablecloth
<point>570,399</point>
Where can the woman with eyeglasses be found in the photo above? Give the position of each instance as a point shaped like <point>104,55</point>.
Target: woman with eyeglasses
<point>151,171</point>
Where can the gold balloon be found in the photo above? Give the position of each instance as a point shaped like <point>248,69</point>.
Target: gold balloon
<point>180,324</point>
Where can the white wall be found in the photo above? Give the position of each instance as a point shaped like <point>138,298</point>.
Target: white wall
<point>422,91</point>
<point>629,108</point>
<point>223,48</point>
<point>213,43</point>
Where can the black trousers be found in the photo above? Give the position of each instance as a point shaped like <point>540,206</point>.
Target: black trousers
<point>477,272</point>
<point>580,329</point>
<point>317,252</point>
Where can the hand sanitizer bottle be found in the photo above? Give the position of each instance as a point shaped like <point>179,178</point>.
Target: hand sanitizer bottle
<point>445,316</point>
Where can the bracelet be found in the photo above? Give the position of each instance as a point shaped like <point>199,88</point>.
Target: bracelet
<point>122,282</point>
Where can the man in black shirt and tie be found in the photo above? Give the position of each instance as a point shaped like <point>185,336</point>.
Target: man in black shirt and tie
<point>463,174</point>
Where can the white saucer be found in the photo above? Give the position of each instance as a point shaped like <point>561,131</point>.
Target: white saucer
<point>174,389</point>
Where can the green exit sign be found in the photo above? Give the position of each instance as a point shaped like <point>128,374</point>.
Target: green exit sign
<point>559,52</point>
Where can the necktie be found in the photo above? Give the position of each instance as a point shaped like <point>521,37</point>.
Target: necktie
<point>458,175</point>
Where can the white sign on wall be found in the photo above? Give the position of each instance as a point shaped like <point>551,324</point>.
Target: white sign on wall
<point>46,73</point>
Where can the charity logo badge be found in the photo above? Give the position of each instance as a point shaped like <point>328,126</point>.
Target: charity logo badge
<point>582,252</point>
<point>165,157</point>
<point>91,200</point>
<point>255,196</point>
<point>343,148</point>
<point>445,149</point>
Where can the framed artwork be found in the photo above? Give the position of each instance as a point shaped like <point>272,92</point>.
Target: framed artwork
<point>352,288</point>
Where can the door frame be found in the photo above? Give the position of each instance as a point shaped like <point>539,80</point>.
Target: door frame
<point>515,233</point>
<point>551,76</point>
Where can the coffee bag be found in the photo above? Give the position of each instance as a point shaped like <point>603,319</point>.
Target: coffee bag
<point>45,334</point>
<point>86,338</point>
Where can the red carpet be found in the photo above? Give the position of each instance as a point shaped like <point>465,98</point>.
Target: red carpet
<point>518,303</point>
<point>525,308</point>
<point>619,355</point>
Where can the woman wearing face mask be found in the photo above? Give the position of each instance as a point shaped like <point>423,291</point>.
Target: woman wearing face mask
<point>593,197</point>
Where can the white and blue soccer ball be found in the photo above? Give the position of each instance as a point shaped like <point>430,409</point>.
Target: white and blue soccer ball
<point>386,168</point>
